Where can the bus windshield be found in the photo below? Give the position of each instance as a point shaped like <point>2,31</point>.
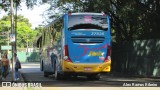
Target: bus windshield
<point>87,22</point>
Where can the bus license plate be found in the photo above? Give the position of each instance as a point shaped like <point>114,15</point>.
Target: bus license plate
<point>87,69</point>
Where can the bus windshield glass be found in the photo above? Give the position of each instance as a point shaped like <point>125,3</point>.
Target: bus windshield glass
<point>98,22</point>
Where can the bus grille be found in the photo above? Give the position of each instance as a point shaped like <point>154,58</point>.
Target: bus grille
<point>87,39</point>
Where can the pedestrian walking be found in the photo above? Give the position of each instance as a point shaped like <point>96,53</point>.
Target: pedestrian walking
<point>17,66</point>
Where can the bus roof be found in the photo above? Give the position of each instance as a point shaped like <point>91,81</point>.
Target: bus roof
<point>84,13</point>
<point>87,13</point>
<point>54,21</point>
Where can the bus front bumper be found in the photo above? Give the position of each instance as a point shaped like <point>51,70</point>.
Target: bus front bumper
<point>86,68</point>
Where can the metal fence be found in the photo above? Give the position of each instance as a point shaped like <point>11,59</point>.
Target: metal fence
<point>26,57</point>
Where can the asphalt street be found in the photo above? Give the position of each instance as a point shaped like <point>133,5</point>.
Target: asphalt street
<point>32,73</point>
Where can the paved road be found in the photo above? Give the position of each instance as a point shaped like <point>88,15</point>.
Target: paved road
<point>32,73</point>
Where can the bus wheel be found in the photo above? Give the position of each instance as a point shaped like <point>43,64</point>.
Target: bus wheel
<point>56,74</point>
<point>94,77</point>
<point>66,76</point>
<point>41,66</point>
<point>75,76</point>
<point>46,74</point>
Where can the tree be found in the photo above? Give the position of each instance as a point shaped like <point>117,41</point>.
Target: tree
<point>24,31</point>
<point>4,28</point>
<point>5,5</point>
<point>130,19</point>
<point>39,29</point>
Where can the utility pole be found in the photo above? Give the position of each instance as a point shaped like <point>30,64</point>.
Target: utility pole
<point>8,40</point>
<point>13,43</point>
<point>27,49</point>
<point>16,27</point>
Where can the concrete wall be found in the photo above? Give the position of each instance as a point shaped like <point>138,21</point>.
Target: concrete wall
<point>140,57</point>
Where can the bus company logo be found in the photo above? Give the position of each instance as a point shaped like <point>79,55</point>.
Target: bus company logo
<point>6,84</point>
<point>88,18</point>
<point>92,51</point>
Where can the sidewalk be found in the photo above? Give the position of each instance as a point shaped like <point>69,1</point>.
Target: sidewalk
<point>9,77</point>
<point>124,77</point>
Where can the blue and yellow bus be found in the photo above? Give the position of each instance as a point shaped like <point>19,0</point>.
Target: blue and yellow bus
<point>76,44</point>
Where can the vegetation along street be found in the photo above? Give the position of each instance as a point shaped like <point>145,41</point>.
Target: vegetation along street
<point>81,43</point>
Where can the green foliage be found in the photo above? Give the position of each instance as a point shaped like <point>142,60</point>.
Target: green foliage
<point>130,19</point>
<point>24,32</point>
<point>39,29</point>
<point>5,5</point>
<point>4,28</point>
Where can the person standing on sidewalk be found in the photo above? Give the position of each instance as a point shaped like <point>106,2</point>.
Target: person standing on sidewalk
<point>5,66</point>
<point>17,66</point>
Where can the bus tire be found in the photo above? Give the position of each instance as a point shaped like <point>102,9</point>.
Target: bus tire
<point>94,77</point>
<point>41,66</point>
<point>46,74</point>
